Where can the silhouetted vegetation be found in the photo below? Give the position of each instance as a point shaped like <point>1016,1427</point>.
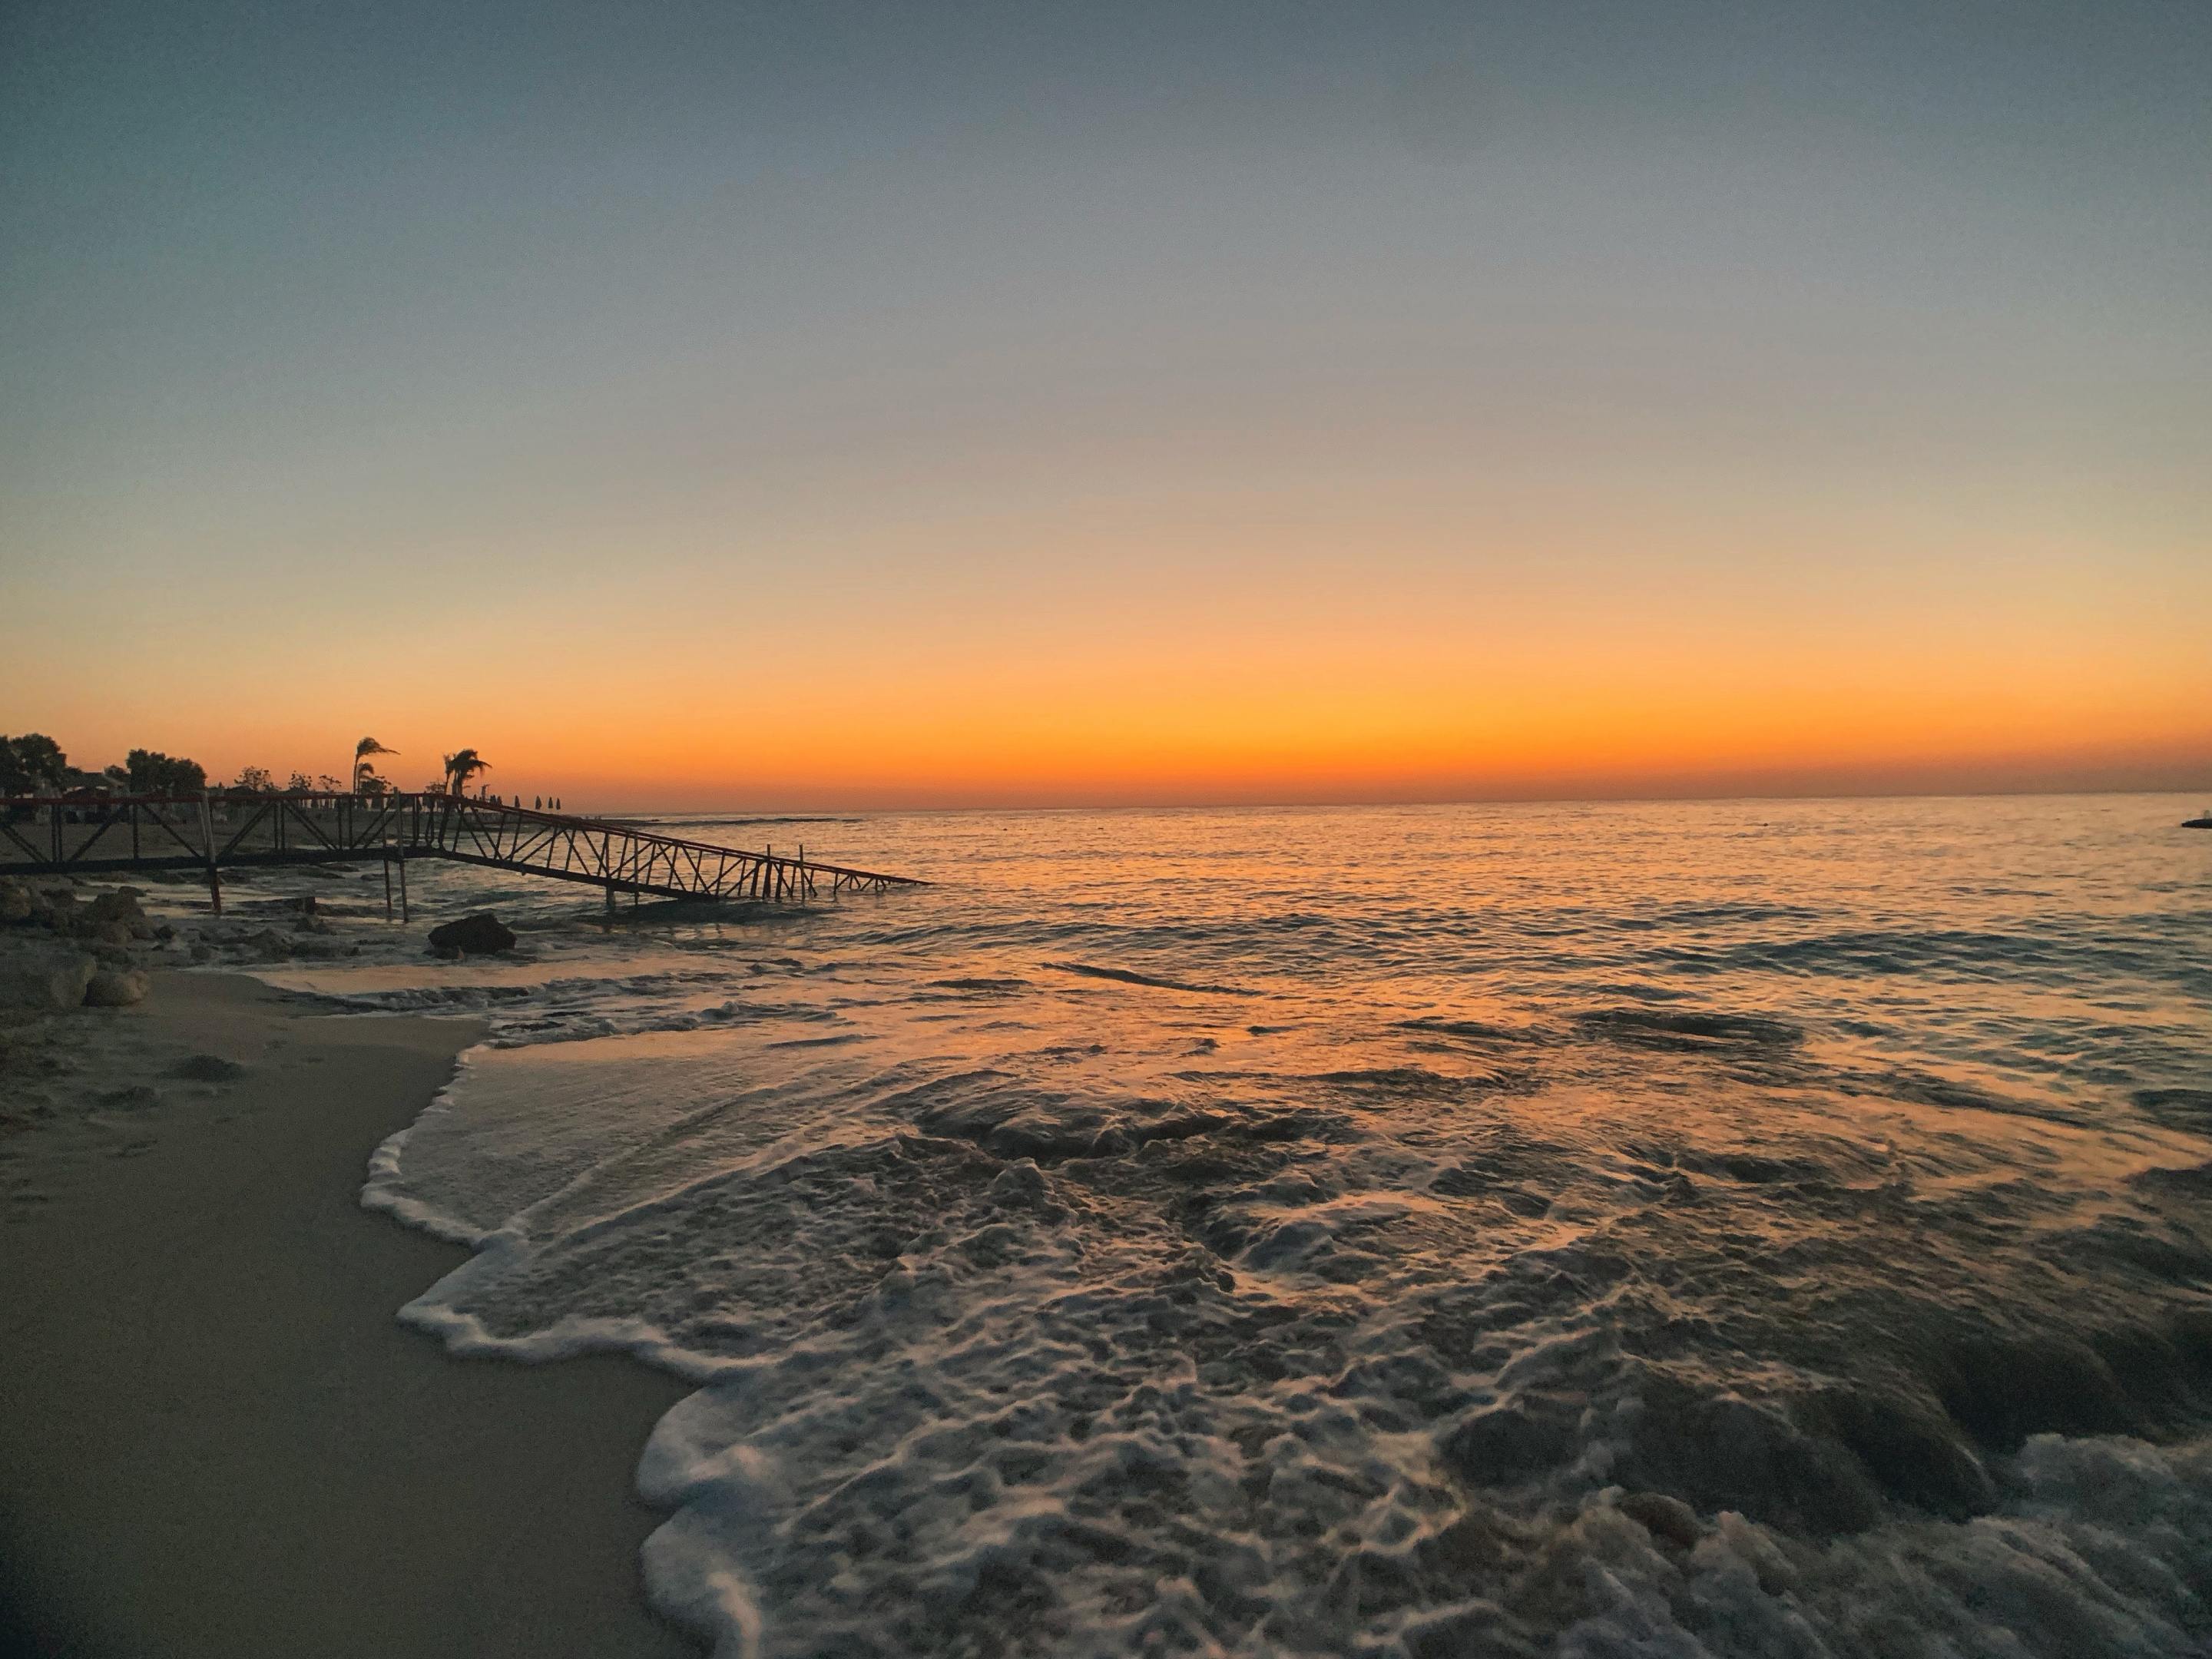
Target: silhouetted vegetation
<point>461,766</point>
<point>365,781</point>
<point>35,764</point>
<point>150,772</point>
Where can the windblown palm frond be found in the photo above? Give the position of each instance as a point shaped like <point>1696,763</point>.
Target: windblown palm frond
<point>362,751</point>
<point>462,765</point>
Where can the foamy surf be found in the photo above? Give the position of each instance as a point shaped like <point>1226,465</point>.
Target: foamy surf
<point>1515,1283</point>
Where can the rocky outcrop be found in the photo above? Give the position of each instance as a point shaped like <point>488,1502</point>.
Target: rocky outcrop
<point>60,952</point>
<point>480,935</point>
<point>44,979</point>
<point>114,917</point>
<point>22,905</point>
<point>118,912</point>
<point>112,924</point>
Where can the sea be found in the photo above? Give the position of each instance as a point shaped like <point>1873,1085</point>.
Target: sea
<point>1742,1228</point>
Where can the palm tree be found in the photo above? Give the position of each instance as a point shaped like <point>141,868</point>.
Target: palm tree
<point>362,751</point>
<point>460,767</point>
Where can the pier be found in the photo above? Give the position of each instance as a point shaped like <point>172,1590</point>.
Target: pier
<point>212,832</point>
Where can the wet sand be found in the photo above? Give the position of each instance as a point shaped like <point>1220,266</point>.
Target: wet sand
<point>215,1438</point>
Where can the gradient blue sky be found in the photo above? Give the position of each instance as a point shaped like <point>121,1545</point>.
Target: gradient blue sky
<point>766,405</point>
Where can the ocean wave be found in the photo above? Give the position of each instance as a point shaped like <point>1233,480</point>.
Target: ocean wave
<point>1130,977</point>
<point>1688,1031</point>
<point>1471,1030</point>
<point>1521,1283</point>
<point>2181,1109</point>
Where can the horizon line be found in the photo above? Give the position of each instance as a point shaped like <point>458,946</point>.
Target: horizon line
<point>828,813</point>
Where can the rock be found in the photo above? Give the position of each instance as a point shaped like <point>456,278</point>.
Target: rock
<point>115,933</point>
<point>1668,1520</point>
<point>120,905</point>
<point>115,987</point>
<point>1769,1562</point>
<point>207,1068</point>
<point>1514,1441</point>
<point>1721,1451</point>
<point>14,904</point>
<point>479,935</point>
<point>1914,1453</point>
<point>45,979</point>
<point>1018,1186</point>
<point>2002,1388</point>
<point>118,916</point>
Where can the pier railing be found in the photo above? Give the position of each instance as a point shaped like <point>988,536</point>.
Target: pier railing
<point>114,835</point>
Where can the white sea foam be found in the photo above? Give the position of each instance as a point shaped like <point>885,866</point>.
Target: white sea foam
<point>386,1189</point>
<point>1490,1281</point>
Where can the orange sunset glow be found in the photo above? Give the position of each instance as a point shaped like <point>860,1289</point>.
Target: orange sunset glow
<point>1622,676</point>
<point>1106,830</point>
<point>1412,435</point>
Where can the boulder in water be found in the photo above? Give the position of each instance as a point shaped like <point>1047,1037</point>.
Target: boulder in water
<point>479,935</point>
<point>1019,1186</point>
<point>1668,1520</point>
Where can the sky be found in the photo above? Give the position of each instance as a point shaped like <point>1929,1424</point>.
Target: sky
<point>848,406</point>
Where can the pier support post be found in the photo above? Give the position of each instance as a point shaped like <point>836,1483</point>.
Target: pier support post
<point>403,887</point>
<point>387,886</point>
<point>207,831</point>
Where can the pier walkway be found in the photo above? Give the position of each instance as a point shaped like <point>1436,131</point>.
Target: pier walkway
<point>209,833</point>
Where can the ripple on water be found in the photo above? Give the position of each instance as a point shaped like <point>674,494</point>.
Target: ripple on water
<point>1481,1291</point>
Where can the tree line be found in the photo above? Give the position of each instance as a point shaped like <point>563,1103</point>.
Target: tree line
<point>35,764</point>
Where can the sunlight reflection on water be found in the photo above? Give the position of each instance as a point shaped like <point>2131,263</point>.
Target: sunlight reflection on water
<point>1333,1230</point>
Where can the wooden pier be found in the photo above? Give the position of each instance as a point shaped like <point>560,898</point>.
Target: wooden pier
<point>212,832</point>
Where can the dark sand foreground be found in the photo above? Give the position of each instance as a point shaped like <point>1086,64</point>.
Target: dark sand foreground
<point>215,1438</point>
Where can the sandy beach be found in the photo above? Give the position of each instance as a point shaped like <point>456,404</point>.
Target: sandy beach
<point>215,1437</point>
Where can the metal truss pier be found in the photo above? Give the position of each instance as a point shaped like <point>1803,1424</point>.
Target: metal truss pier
<point>117,834</point>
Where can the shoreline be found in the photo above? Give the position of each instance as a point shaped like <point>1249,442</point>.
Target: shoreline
<point>216,1436</point>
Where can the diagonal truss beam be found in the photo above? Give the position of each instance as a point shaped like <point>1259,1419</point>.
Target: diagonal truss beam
<point>80,837</point>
